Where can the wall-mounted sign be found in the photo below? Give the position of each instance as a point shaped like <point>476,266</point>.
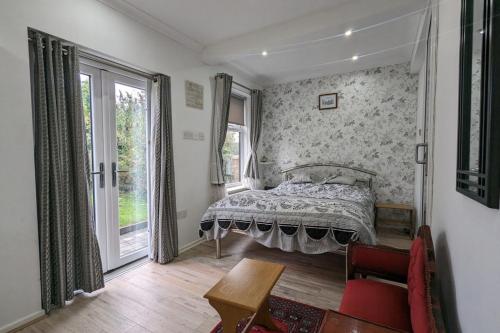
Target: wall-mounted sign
<point>194,95</point>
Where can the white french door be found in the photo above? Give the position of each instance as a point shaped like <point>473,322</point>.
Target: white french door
<point>116,108</point>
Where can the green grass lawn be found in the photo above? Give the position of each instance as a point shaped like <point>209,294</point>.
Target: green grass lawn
<point>132,209</point>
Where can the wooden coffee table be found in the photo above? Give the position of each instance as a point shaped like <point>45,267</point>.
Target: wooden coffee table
<point>244,292</point>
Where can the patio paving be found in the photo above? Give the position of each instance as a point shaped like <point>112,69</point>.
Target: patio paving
<point>133,241</point>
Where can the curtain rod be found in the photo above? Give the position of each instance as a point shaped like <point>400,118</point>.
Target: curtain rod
<point>105,61</point>
<point>236,83</point>
<point>243,86</point>
<point>31,40</point>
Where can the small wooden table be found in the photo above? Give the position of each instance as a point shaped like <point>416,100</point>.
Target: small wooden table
<point>336,322</point>
<point>244,291</point>
<point>402,207</point>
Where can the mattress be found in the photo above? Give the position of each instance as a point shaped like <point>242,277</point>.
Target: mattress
<point>309,217</point>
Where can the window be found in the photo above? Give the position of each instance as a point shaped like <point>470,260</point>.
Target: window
<point>234,150</point>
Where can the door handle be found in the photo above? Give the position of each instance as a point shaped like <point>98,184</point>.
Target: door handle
<point>101,174</point>
<point>114,172</point>
<point>417,150</point>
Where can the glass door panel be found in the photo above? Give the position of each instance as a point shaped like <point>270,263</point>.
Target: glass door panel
<point>87,113</point>
<point>129,168</point>
<point>91,87</point>
<point>131,146</point>
<point>116,112</point>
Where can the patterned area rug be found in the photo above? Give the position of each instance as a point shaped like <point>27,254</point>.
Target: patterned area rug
<point>289,316</point>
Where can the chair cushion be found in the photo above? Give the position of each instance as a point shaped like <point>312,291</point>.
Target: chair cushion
<point>417,291</point>
<point>416,267</point>
<point>378,302</point>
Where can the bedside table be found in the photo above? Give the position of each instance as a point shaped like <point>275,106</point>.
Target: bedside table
<point>410,210</point>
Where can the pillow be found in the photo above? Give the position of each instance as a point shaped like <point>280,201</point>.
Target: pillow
<point>301,178</point>
<point>345,180</point>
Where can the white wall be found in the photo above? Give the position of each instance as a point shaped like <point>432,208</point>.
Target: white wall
<point>93,25</point>
<point>466,234</point>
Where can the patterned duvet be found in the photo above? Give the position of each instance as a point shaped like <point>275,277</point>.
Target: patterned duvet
<point>310,218</point>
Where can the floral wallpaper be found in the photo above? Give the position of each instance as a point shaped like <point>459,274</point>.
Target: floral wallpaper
<point>374,127</point>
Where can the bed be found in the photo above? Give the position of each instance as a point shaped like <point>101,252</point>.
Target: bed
<point>310,217</point>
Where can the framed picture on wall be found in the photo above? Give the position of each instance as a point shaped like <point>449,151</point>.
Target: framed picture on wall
<point>328,101</point>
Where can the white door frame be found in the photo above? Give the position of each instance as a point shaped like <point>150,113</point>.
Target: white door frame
<point>424,62</point>
<point>431,111</point>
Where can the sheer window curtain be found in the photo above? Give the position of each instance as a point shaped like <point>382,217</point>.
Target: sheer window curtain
<point>69,253</point>
<point>221,99</point>
<point>164,234</point>
<point>252,174</point>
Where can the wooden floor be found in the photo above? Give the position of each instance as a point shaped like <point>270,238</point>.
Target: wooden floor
<point>168,298</point>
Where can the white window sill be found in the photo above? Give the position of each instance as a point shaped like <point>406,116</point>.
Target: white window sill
<point>236,189</point>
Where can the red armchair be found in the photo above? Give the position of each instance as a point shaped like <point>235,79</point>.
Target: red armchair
<point>411,308</point>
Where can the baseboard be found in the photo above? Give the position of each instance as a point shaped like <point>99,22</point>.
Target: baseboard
<point>22,322</point>
<point>31,318</point>
<point>189,246</point>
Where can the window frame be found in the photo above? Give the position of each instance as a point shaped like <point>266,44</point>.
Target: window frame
<point>244,134</point>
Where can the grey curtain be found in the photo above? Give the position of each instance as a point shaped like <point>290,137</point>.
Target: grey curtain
<point>252,169</point>
<point>222,96</point>
<point>164,237</point>
<point>69,253</point>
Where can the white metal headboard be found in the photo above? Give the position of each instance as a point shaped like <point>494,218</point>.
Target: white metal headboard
<point>371,174</point>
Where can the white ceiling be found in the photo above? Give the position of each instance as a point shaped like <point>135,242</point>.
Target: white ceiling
<point>303,38</point>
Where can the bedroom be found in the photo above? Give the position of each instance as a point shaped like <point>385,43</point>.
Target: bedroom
<point>341,115</point>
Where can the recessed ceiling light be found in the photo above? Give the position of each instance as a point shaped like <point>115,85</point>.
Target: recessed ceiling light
<point>355,57</point>
<point>264,53</point>
<point>348,33</point>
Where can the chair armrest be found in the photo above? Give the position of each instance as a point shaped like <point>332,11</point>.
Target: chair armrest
<point>380,261</point>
